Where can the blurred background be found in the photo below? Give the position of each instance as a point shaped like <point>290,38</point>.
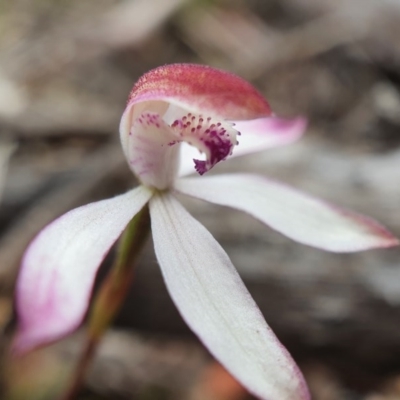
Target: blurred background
<point>66,68</point>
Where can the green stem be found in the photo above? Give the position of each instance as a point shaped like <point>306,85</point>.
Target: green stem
<point>111,294</point>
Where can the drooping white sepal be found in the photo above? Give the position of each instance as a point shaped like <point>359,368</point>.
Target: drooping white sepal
<point>214,302</point>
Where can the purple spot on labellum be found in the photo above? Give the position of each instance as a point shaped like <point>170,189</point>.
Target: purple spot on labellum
<point>200,166</point>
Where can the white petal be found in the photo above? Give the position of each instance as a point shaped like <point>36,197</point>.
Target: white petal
<point>264,133</point>
<point>152,151</point>
<point>217,306</point>
<point>60,265</point>
<point>296,215</point>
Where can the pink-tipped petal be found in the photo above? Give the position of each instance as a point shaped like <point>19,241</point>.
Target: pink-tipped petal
<point>201,89</point>
<point>216,305</point>
<point>263,133</point>
<point>296,215</point>
<point>60,265</point>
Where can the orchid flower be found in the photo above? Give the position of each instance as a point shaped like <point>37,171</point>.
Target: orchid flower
<point>180,119</point>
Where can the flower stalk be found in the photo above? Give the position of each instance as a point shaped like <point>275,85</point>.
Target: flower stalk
<point>111,294</point>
